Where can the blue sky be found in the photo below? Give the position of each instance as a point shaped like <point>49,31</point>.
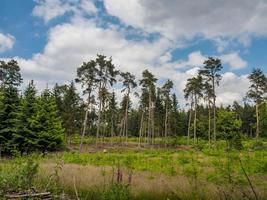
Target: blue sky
<point>172,38</point>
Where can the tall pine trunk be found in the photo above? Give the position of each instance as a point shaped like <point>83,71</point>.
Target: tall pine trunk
<point>258,122</point>
<point>209,131</point>
<point>149,118</point>
<point>195,119</point>
<point>85,122</point>
<point>214,111</point>
<point>99,115</point>
<point>126,118</point>
<point>152,123</point>
<point>189,121</point>
<point>166,124</point>
<point>141,128</point>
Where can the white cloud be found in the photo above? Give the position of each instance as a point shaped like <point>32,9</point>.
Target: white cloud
<point>88,6</point>
<point>176,19</point>
<point>79,40</point>
<point>6,42</point>
<point>195,59</point>
<point>232,88</point>
<point>50,9</point>
<point>234,60</point>
<point>72,43</point>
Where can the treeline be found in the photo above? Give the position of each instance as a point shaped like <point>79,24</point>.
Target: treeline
<point>30,121</point>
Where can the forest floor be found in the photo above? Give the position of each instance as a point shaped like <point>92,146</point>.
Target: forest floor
<point>127,171</point>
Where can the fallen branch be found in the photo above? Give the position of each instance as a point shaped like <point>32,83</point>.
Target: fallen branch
<point>16,196</point>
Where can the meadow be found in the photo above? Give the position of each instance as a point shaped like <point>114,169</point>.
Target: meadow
<point>114,170</point>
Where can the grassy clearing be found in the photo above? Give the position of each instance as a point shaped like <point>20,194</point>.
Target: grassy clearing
<point>197,171</point>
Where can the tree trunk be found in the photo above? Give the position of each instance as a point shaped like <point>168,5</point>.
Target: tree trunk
<point>166,124</point>
<point>214,111</point>
<point>85,122</point>
<point>149,118</point>
<point>99,116</point>
<point>152,123</point>
<point>141,128</point>
<point>189,122</point>
<point>257,123</point>
<point>209,131</point>
<point>126,117</point>
<point>195,119</point>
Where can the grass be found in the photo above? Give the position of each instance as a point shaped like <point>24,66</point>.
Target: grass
<point>194,171</point>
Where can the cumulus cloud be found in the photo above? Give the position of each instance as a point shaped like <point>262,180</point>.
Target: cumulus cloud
<point>234,60</point>
<point>50,9</point>
<point>70,44</point>
<point>6,42</point>
<point>80,39</point>
<point>232,88</point>
<point>195,59</point>
<point>176,19</point>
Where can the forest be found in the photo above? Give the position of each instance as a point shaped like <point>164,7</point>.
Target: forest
<point>109,135</point>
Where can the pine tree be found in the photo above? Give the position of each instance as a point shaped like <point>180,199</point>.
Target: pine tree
<point>194,89</point>
<point>129,84</point>
<point>257,92</point>
<point>112,114</point>
<point>211,75</point>
<point>70,107</point>
<point>148,87</point>
<point>166,89</point>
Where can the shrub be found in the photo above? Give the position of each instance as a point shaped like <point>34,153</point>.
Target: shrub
<point>18,176</point>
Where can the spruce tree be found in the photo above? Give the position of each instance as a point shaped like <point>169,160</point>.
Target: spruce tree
<point>25,138</point>
<point>9,102</point>
<point>47,123</point>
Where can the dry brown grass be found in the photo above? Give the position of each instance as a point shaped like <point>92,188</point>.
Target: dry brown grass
<point>91,176</point>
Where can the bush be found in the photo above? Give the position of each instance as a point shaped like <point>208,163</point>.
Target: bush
<point>18,176</point>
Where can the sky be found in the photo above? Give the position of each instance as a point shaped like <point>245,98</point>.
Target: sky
<point>172,38</point>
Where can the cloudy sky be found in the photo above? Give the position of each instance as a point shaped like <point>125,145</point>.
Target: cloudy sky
<point>172,38</point>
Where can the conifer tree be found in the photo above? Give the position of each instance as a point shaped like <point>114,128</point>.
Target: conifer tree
<point>47,123</point>
<point>9,102</point>
<point>70,107</point>
<point>148,84</point>
<point>166,89</point>
<point>26,135</point>
<point>194,89</point>
<point>86,75</point>
<point>129,84</point>
<point>210,73</point>
<point>257,92</point>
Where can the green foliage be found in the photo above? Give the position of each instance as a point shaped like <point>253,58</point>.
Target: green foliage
<point>116,191</point>
<point>70,107</point>
<point>229,126</point>
<point>263,119</point>
<point>9,102</point>
<point>46,122</point>
<point>18,176</point>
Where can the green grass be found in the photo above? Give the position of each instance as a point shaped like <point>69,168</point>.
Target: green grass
<point>199,162</point>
